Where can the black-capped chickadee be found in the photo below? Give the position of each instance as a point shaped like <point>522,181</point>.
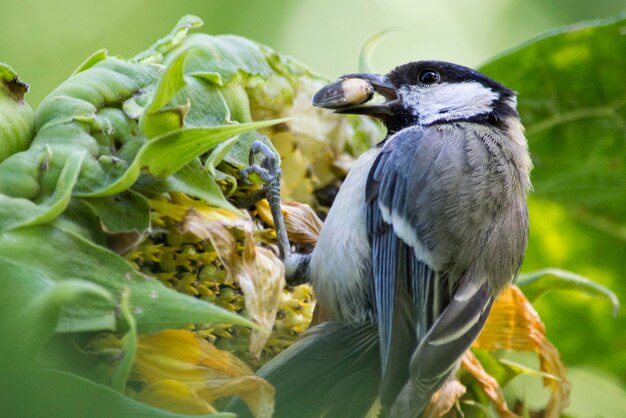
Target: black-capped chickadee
<point>429,225</point>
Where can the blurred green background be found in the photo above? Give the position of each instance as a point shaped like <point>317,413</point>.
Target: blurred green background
<point>44,41</point>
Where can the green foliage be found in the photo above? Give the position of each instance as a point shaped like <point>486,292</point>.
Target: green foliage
<point>30,266</point>
<point>537,283</point>
<point>572,100</point>
<point>573,104</point>
<point>129,345</point>
<point>78,177</point>
<point>596,394</point>
<point>53,393</point>
<point>94,137</point>
<point>19,212</point>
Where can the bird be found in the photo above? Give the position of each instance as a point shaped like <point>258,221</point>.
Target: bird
<point>429,225</point>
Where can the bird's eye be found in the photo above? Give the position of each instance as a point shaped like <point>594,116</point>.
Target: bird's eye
<point>428,76</point>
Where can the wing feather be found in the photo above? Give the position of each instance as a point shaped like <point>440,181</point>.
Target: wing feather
<point>411,292</point>
<point>401,283</point>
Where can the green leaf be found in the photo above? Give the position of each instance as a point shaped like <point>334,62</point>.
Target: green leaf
<point>129,345</point>
<point>595,394</point>
<point>27,328</point>
<point>207,106</point>
<point>156,122</point>
<point>220,58</point>
<point>180,147</point>
<point>93,59</point>
<point>240,151</point>
<point>18,212</point>
<point>195,181</point>
<point>109,81</point>
<point>16,116</point>
<point>163,121</point>
<point>218,154</point>
<point>237,100</point>
<point>170,83</point>
<point>164,45</point>
<point>50,393</point>
<point>572,99</point>
<point>536,283</point>
<point>518,369</point>
<point>125,212</point>
<point>32,255</point>
<point>82,114</point>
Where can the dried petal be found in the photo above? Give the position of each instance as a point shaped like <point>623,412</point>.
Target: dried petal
<point>488,383</point>
<point>302,224</point>
<point>262,285</point>
<point>444,399</point>
<point>514,325</point>
<point>179,204</point>
<point>259,273</point>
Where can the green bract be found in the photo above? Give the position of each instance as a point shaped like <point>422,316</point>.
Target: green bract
<point>16,116</point>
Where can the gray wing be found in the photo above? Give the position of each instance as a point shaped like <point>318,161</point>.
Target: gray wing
<point>408,193</point>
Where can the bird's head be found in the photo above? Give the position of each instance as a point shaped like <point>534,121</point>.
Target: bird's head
<point>421,93</point>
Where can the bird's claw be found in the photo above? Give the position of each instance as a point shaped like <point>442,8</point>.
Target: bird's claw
<point>254,169</point>
<point>269,161</point>
<point>268,169</point>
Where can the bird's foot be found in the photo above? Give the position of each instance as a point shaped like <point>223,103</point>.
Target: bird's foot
<point>269,171</point>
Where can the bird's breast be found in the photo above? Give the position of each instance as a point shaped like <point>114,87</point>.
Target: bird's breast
<point>340,265</point>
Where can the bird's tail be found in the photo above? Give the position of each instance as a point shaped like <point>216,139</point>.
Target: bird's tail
<point>333,371</point>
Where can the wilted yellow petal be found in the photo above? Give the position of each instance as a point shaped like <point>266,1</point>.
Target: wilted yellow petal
<point>166,208</point>
<point>514,325</point>
<point>488,383</point>
<point>301,222</point>
<point>175,396</point>
<point>180,355</point>
<point>265,213</point>
<point>178,204</point>
<point>259,273</point>
<point>203,372</point>
<point>444,399</point>
<point>217,231</point>
<point>262,288</point>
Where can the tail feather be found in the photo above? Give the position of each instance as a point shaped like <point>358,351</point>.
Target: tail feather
<point>333,371</point>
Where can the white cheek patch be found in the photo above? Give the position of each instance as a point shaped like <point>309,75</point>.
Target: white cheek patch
<point>447,101</point>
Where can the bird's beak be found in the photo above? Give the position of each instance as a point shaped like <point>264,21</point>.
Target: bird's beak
<point>352,92</point>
